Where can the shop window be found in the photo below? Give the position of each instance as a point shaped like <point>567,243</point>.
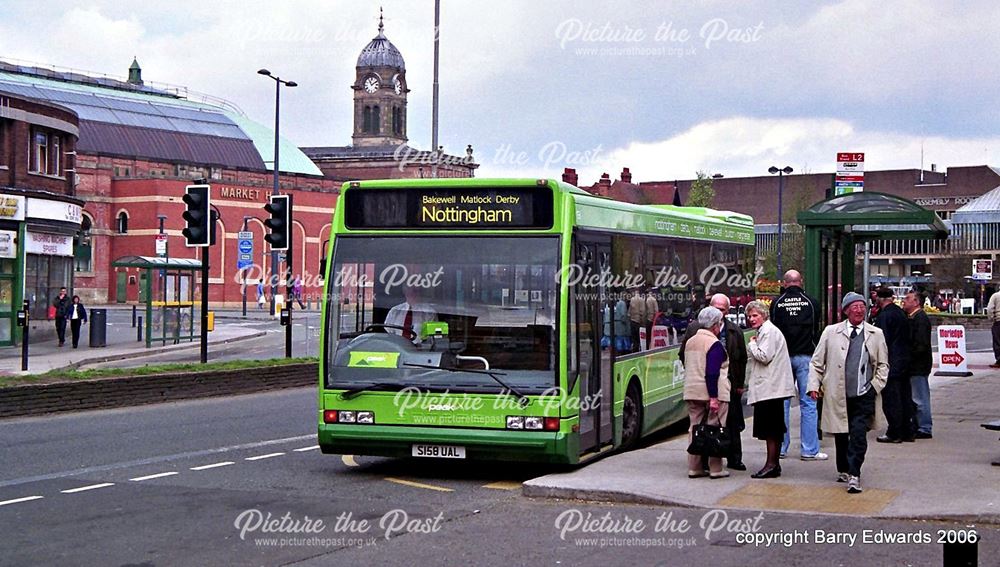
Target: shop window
<point>39,152</point>
<point>82,251</point>
<point>43,276</point>
<point>122,223</point>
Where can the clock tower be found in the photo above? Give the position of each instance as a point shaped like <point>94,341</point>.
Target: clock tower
<point>380,94</point>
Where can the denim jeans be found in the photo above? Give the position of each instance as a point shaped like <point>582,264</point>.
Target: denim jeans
<point>807,407</point>
<point>922,398</point>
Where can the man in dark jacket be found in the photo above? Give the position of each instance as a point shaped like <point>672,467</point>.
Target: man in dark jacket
<point>897,397</point>
<point>921,361</point>
<point>61,303</point>
<point>736,350</point>
<point>797,316</point>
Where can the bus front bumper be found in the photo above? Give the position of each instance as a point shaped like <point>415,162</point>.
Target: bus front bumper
<point>479,444</point>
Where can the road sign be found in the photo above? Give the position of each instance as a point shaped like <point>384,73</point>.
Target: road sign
<point>161,244</point>
<point>244,235</point>
<point>982,269</point>
<point>245,247</point>
<point>951,345</point>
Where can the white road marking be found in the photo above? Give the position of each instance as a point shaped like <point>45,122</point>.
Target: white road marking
<point>91,487</point>
<point>419,484</point>
<point>152,476</point>
<point>16,500</point>
<point>349,460</point>
<point>212,466</point>
<point>307,449</point>
<point>267,456</point>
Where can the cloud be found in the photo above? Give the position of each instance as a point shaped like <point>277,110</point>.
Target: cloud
<point>746,146</point>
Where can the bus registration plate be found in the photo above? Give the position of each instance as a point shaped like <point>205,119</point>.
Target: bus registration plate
<point>439,451</point>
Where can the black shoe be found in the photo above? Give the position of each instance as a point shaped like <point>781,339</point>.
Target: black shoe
<point>922,435</point>
<point>768,472</point>
<point>995,365</point>
<point>737,466</point>
<point>908,439</point>
<point>887,439</point>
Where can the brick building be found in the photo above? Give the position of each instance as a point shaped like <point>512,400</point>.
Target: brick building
<point>892,261</point>
<point>39,214</point>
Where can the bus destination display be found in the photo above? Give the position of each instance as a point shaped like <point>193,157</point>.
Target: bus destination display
<point>465,208</point>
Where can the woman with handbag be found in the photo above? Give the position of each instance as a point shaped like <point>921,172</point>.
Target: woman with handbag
<point>771,382</point>
<point>706,389</point>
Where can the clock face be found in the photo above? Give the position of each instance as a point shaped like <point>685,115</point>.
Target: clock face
<point>398,86</point>
<point>371,84</point>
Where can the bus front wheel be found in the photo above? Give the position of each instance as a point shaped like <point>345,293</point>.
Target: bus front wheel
<point>631,416</point>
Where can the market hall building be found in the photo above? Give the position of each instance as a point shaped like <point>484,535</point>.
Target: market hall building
<point>139,146</point>
<point>39,213</point>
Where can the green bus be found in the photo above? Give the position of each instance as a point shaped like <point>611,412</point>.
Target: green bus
<point>484,318</point>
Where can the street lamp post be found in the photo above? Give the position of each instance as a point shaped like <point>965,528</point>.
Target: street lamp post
<point>783,171</point>
<point>274,190</point>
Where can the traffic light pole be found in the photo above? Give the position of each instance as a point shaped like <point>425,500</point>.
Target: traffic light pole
<point>288,282</point>
<point>204,304</point>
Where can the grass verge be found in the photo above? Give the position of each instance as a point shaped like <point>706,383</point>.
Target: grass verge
<point>54,376</point>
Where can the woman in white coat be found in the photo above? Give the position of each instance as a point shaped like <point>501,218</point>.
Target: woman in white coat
<point>771,382</point>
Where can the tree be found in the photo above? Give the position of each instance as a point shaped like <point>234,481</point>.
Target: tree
<point>702,193</point>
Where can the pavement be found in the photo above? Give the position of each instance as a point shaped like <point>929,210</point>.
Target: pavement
<point>46,355</point>
<point>949,477</point>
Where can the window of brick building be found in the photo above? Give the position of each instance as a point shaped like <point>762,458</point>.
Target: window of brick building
<point>39,152</point>
<point>122,223</point>
<point>56,161</point>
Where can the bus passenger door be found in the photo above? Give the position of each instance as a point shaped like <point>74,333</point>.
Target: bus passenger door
<point>594,377</point>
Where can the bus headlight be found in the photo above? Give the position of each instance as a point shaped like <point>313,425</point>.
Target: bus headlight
<point>532,423</point>
<point>347,416</point>
<point>366,417</point>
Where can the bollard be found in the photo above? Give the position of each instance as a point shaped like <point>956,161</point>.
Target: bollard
<point>133,315</point>
<point>139,331</point>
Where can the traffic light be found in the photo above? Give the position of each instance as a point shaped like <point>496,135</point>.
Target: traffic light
<point>196,215</point>
<point>280,209</point>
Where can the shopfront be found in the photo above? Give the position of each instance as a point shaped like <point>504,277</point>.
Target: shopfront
<point>36,257</point>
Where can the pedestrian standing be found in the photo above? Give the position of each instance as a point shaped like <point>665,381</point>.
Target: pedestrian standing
<point>993,313</point>
<point>636,316</point>
<point>850,367</point>
<point>60,304</point>
<point>736,354</point>
<point>796,315</point>
<point>897,399</point>
<point>921,361</point>
<point>706,386</point>
<point>261,297</point>
<point>771,383</point>
<point>297,291</point>
<point>76,313</point>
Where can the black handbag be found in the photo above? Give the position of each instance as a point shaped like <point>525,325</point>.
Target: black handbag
<point>709,440</point>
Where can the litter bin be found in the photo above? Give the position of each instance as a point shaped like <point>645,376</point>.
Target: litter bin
<point>98,327</point>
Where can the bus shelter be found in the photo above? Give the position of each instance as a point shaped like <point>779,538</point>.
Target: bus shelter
<point>169,291</point>
<point>833,228</point>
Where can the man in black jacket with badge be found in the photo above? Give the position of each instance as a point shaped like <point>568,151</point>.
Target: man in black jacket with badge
<point>897,396</point>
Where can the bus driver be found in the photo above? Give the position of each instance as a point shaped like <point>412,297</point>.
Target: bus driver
<point>410,315</point>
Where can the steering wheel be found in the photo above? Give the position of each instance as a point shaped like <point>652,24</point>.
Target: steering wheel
<point>371,328</point>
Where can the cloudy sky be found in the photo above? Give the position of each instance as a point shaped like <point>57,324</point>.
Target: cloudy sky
<point>664,88</point>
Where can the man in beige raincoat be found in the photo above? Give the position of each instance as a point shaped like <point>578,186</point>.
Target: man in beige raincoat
<point>850,366</point>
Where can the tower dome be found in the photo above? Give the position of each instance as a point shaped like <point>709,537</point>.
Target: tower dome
<point>380,52</point>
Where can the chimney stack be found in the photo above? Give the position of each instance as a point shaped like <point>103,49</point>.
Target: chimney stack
<point>569,176</point>
<point>626,175</point>
<point>604,185</point>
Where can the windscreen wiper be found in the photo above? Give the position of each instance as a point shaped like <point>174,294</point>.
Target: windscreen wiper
<point>492,374</point>
<point>348,394</point>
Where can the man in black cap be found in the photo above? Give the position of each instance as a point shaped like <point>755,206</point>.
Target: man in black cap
<point>897,399</point>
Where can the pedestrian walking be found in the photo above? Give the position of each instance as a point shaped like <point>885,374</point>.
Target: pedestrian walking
<point>76,313</point>
<point>771,383</point>
<point>60,304</point>
<point>736,353</point>
<point>796,315</point>
<point>921,360</point>
<point>706,386</point>
<point>850,367</point>
<point>993,314</point>
<point>261,296</point>
<point>897,398</point>
<point>297,291</point>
